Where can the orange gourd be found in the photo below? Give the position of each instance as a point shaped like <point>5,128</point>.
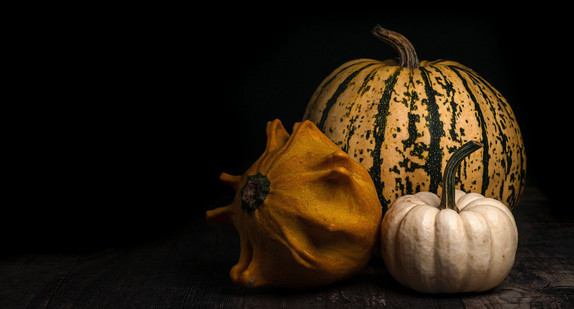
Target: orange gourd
<point>306,213</point>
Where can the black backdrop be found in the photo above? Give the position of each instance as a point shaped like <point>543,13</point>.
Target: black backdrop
<point>123,124</point>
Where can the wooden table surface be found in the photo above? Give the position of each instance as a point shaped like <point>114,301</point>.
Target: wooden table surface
<point>189,268</point>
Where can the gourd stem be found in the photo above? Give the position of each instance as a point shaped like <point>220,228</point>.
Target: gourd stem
<point>452,166</point>
<point>406,50</point>
<point>254,192</point>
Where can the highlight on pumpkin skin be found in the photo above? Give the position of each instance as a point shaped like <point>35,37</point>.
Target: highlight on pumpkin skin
<point>306,213</point>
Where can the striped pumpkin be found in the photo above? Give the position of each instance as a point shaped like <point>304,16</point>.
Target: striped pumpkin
<point>402,120</point>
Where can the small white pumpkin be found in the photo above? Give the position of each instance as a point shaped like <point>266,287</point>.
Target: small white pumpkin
<point>458,243</point>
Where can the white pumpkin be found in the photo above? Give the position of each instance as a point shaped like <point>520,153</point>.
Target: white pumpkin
<point>458,243</point>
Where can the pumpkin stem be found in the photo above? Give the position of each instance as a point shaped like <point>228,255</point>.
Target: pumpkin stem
<point>254,192</point>
<point>448,181</point>
<point>406,50</point>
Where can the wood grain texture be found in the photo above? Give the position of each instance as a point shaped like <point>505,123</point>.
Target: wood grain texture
<point>189,268</point>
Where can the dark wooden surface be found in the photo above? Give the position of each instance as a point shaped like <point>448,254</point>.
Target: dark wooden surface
<point>189,268</point>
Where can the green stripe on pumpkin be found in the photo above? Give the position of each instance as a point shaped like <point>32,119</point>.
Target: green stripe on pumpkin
<point>337,93</point>
<point>326,83</point>
<point>436,130</point>
<point>480,118</point>
<point>379,135</point>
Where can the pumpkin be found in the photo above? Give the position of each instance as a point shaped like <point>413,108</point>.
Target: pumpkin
<point>457,243</point>
<point>306,213</point>
<point>401,119</point>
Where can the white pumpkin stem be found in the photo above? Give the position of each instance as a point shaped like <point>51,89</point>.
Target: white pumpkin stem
<point>448,181</point>
<point>406,50</point>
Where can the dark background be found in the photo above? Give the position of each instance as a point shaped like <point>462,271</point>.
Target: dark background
<point>122,123</point>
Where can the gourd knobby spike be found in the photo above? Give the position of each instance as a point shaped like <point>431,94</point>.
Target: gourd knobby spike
<point>230,180</point>
<point>277,136</point>
<point>337,166</point>
<point>221,215</point>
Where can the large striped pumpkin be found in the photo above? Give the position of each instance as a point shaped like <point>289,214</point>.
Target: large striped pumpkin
<point>401,119</point>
